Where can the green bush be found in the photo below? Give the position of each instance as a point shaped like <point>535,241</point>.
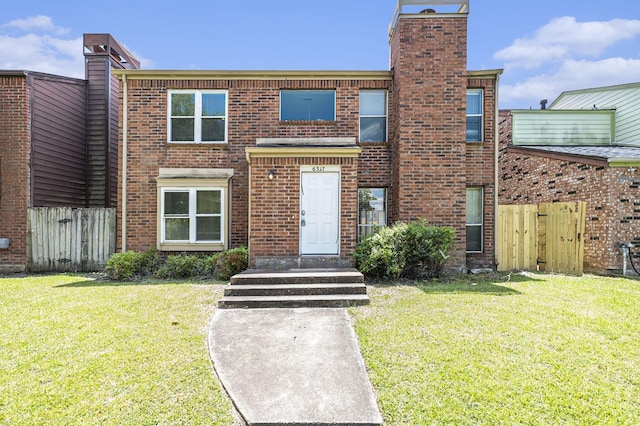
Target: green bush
<point>413,250</point>
<point>185,266</point>
<point>131,265</point>
<point>231,262</point>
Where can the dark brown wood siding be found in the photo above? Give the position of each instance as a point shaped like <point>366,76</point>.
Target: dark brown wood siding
<point>58,124</point>
<point>113,143</point>
<point>97,130</point>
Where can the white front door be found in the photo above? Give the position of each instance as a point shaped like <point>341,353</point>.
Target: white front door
<point>320,213</point>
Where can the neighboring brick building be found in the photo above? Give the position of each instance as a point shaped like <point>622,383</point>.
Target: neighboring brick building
<point>58,142</point>
<point>585,147</point>
<point>297,165</point>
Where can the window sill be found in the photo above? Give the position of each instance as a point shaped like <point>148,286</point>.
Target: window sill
<point>225,143</point>
<point>382,143</point>
<point>191,246</point>
<point>308,122</point>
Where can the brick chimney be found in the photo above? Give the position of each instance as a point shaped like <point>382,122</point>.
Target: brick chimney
<point>428,114</point>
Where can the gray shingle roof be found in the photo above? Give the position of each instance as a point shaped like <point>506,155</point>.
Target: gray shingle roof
<point>604,152</point>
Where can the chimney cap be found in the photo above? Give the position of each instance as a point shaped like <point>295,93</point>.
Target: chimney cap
<point>463,8</point>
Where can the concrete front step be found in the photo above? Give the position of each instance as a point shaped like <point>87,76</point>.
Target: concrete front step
<point>298,276</point>
<point>306,301</point>
<point>294,289</point>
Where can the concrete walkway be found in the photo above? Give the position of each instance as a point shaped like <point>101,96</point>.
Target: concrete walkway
<point>292,366</point>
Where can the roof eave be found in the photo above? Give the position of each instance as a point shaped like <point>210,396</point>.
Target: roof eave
<point>252,75</point>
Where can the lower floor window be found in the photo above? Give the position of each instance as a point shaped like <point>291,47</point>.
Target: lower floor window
<point>192,215</point>
<point>475,210</point>
<point>193,209</point>
<point>372,210</point>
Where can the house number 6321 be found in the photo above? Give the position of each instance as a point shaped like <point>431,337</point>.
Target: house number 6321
<point>318,168</point>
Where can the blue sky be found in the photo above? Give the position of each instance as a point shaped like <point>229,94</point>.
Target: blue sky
<point>544,46</point>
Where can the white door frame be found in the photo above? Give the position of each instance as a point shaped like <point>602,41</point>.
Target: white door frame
<point>320,170</point>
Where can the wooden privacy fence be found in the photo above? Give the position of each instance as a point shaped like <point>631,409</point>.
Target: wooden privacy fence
<point>63,239</point>
<point>548,237</point>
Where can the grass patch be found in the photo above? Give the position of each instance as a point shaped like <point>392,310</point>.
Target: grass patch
<point>78,351</point>
<point>537,349</point>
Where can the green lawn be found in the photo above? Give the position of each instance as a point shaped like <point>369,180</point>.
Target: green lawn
<point>78,352</point>
<point>538,349</point>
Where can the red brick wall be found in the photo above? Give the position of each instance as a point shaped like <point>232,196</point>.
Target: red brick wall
<point>275,213</point>
<point>374,169</point>
<point>14,170</point>
<point>612,196</point>
<point>480,169</point>
<point>253,113</point>
<point>428,122</point>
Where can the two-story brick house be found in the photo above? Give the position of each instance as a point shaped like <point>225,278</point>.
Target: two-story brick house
<point>298,165</point>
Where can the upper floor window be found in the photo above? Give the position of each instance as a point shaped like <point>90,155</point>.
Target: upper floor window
<point>197,116</point>
<point>475,126</point>
<point>373,116</point>
<point>308,105</point>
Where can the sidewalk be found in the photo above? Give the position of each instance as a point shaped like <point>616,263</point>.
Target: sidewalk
<point>292,366</point>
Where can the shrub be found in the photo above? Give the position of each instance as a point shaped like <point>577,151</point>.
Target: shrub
<point>231,262</point>
<point>131,265</point>
<point>185,266</point>
<point>412,250</point>
<point>377,256</point>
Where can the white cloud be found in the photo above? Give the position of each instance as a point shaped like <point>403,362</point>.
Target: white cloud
<point>573,74</point>
<point>567,55</point>
<point>42,53</point>
<point>565,37</point>
<point>40,22</point>
<point>37,44</point>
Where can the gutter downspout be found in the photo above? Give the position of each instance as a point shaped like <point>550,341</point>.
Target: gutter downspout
<point>248,155</point>
<point>125,127</point>
<point>496,143</point>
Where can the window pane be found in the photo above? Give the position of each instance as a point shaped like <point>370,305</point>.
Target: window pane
<point>307,105</point>
<point>474,102</point>
<point>176,228</point>
<point>474,127</point>
<point>182,129</point>
<point>373,102</point>
<point>474,238</point>
<point>213,130</point>
<point>474,205</point>
<point>373,129</point>
<point>208,228</point>
<point>183,104</point>
<point>213,104</point>
<point>208,202</point>
<point>176,203</point>
<point>372,210</point>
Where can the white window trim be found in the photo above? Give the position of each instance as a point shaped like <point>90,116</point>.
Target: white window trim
<point>192,215</point>
<point>386,209</point>
<point>194,180</point>
<point>197,132</point>
<point>386,115</point>
<point>481,224</point>
<point>481,114</point>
